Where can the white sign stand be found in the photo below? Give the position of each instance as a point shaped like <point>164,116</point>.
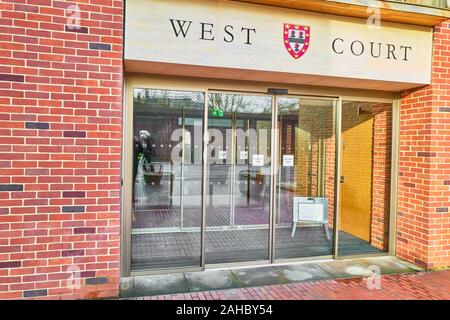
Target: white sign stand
<point>311,210</point>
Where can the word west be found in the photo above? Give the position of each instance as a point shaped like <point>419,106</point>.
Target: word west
<point>206,31</point>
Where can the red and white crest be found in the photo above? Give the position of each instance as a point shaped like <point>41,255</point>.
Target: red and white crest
<point>296,39</point>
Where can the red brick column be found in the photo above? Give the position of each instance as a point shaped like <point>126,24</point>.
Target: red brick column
<point>381,175</point>
<point>424,172</point>
<point>60,148</point>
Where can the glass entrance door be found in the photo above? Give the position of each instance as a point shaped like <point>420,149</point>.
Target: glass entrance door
<point>305,180</point>
<point>232,177</point>
<point>238,178</point>
<point>167,179</point>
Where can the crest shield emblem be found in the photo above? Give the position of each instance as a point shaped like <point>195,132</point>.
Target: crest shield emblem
<point>296,39</point>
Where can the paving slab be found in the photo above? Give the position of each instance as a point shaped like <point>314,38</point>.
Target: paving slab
<point>160,284</point>
<point>410,286</point>
<point>127,287</point>
<point>410,265</point>
<point>344,269</point>
<point>385,265</point>
<point>254,277</point>
<point>211,280</point>
<point>303,272</point>
<point>235,279</point>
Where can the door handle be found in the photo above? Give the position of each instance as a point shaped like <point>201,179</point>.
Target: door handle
<point>341,180</point>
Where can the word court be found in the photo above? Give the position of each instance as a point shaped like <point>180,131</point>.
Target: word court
<point>374,49</point>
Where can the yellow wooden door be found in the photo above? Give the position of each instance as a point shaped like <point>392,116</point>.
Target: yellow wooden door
<point>356,180</point>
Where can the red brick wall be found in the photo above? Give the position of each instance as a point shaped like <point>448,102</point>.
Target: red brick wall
<point>60,148</point>
<point>329,176</point>
<point>424,171</point>
<point>381,175</point>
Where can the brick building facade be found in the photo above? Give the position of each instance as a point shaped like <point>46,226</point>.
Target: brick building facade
<point>61,129</point>
<point>61,135</point>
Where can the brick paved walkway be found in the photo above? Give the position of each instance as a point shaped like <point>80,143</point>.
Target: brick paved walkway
<point>422,285</point>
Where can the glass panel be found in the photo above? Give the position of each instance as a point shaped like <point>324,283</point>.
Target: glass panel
<point>430,3</point>
<point>305,181</point>
<point>237,215</point>
<point>365,177</point>
<point>167,170</point>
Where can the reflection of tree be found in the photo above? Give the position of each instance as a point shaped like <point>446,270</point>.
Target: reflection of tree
<point>287,105</point>
<point>228,102</point>
<point>195,100</point>
<point>240,103</point>
<point>169,99</point>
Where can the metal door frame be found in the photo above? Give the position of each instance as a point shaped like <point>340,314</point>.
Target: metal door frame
<point>233,155</point>
<point>276,175</point>
<point>130,85</point>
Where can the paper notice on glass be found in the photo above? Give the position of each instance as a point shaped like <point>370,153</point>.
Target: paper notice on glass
<point>258,160</point>
<point>288,160</point>
<point>243,155</point>
<point>222,155</point>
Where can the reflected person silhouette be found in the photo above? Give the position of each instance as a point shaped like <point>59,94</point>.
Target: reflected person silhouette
<point>142,154</point>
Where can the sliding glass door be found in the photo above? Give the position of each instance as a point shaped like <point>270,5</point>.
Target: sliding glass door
<point>238,178</point>
<point>167,179</point>
<point>305,181</point>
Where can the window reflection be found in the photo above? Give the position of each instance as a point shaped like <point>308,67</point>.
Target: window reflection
<point>432,3</point>
<point>168,178</point>
<point>305,184</point>
<point>167,171</point>
<point>239,163</point>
